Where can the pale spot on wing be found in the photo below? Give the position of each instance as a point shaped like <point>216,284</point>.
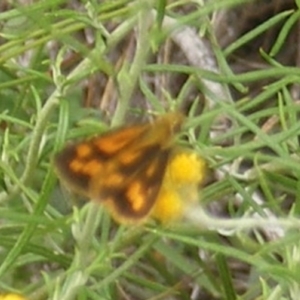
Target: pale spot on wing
<point>75,165</point>
<point>83,150</point>
<point>129,157</point>
<point>117,140</point>
<point>92,167</point>
<point>114,180</point>
<point>136,196</point>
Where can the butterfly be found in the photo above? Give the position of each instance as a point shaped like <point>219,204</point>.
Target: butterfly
<point>123,168</point>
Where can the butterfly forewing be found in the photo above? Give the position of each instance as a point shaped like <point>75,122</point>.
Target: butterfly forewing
<point>78,163</point>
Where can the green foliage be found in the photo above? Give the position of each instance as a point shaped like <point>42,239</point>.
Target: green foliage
<point>50,249</point>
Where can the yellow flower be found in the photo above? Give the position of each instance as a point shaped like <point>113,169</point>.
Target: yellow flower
<point>11,296</point>
<point>185,172</point>
<point>186,168</point>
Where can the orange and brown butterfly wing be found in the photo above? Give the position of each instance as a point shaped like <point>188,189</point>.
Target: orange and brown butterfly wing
<point>123,168</point>
<point>78,163</point>
<point>130,190</point>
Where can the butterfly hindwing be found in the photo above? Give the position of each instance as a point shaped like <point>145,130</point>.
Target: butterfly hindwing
<point>131,191</point>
